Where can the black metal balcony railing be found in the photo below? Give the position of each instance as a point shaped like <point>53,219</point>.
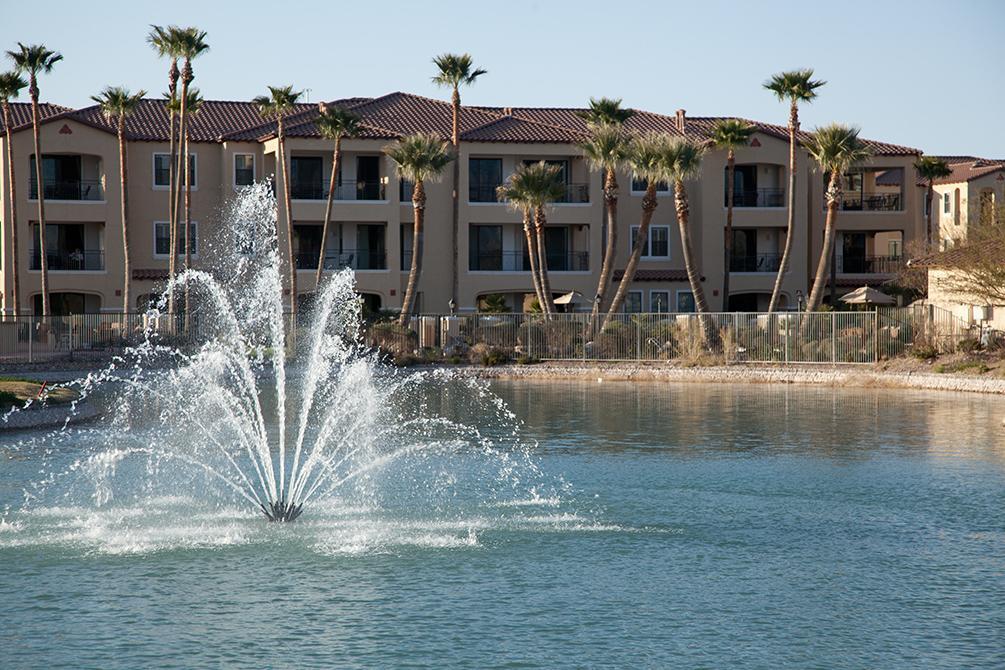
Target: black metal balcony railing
<point>755,263</point>
<point>82,189</point>
<point>756,197</point>
<point>357,259</point>
<point>870,264</point>
<point>517,261</point>
<point>347,190</point>
<point>871,202</point>
<point>74,261</point>
<point>574,194</point>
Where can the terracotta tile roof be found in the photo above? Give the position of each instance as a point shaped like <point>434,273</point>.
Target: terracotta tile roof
<point>957,255</point>
<point>515,129</point>
<point>969,169</point>
<point>654,275</point>
<point>299,124</point>
<point>20,114</point>
<point>150,274</point>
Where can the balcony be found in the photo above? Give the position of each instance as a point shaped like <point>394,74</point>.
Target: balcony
<point>347,190</point>
<point>79,189</point>
<point>357,259</point>
<point>575,194</point>
<point>755,263</point>
<point>868,265</point>
<point>69,261</point>
<point>517,261</point>
<point>871,202</point>
<point>757,197</point>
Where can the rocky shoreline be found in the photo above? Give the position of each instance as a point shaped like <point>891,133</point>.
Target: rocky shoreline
<point>847,376</point>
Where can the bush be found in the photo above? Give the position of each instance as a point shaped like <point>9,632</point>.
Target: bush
<point>487,355</point>
<point>7,399</point>
<point>527,360</point>
<point>389,337</point>
<point>969,346</point>
<point>924,352</point>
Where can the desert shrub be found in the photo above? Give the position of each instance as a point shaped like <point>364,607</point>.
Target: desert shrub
<point>617,340</point>
<point>527,360</point>
<point>924,352</point>
<point>969,345</point>
<point>486,355</point>
<point>393,339</point>
<point>964,366</point>
<point>494,334</point>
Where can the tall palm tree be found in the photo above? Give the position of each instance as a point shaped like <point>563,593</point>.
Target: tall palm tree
<point>729,134</point>
<point>835,148</point>
<point>605,150</point>
<point>455,70</point>
<point>545,185</point>
<point>795,86</point>
<point>647,160</point>
<point>191,45</point>
<point>280,102</point>
<point>334,124</point>
<point>193,105</point>
<point>930,168</point>
<point>34,60</point>
<point>517,192</point>
<point>11,84</point>
<point>167,42</point>
<point>683,162</point>
<point>418,158</point>
<point>117,104</point>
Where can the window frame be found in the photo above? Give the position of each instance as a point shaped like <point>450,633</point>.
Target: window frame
<point>632,231</point>
<point>642,307</point>
<point>193,156</point>
<point>254,169</point>
<point>664,291</point>
<point>677,295</point>
<point>946,203</point>
<point>181,239</point>
<point>660,192</point>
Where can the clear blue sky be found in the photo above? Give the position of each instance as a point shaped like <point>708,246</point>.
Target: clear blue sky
<point>926,74</point>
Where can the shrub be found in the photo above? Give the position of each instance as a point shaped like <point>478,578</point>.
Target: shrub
<point>924,352</point>
<point>527,360</point>
<point>487,355</point>
<point>969,346</point>
<point>7,399</point>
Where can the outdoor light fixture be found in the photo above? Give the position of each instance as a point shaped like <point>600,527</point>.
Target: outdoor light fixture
<point>453,306</point>
<point>799,300</point>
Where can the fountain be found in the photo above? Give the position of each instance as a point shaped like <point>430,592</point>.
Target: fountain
<point>227,398</point>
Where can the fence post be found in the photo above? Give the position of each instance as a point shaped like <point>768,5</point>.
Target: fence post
<point>638,339</point>
<point>31,336</point>
<point>875,336</point>
<point>833,338</point>
<point>786,338</point>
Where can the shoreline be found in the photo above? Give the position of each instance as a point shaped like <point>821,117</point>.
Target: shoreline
<point>849,377</point>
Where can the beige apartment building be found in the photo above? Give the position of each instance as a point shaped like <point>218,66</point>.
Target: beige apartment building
<point>971,195</point>
<point>233,146</point>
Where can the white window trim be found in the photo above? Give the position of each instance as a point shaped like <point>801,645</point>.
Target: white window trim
<point>652,308</point>
<point>676,303</point>
<point>153,165</point>
<point>668,193</point>
<point>181,254</point>
<point>254,170</point>
<point>642,305</point>
<point>649,242</point>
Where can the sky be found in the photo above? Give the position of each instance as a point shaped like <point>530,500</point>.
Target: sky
<point>924,74</point>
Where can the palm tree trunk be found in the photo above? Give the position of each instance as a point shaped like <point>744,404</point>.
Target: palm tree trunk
<point>611,248</point>
<point>172,220</point>
<point>16,289</point>
<point>289,223</point>
<point>43,258</point>
<point>455,140</point>
<point>649,203</point>
<point>188,226</point>
<point>833,198</point>
<point>418,217</point>
<point>728,246</point>
<point>928,218</point>
<point>542,262</point>
<point>790,227</point>
<point>683,217</point>
<point>336,155</point>
<point>124,202</point>
<point>532,257</point>
<point>183,174</point>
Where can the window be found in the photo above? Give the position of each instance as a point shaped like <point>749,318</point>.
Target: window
<point>893,248</point>
<point>305,178</point>
<point>946,207</point>
<point>485,248</point>
<point>633,302</point>
<point>658,243</point>
<point>685,301</point>
<point>659,302</point>
<point>244,169</point>
<point>162,170</point>
<point>484,177</point>
<point>956,207</point>
<point>639,186</point>
<point>162,238</point>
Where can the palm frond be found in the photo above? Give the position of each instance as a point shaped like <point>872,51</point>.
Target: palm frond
<point>34,59</point>
<point>533,185</point>
<point>794,85</point>
<point>932,167</point>
<point>837,147</point>
<point>117,102</point>
<point>335,122</point>
<point>605,111</point>
<point>11,84</point>
<point>682,159</point>
<point>607,146</point>
<point>730,134</point>
<point>420,157</point>
<point>280,101</point>
<point>456,69</point>
<point>646,157</point>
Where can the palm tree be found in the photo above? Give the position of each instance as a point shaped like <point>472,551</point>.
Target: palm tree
<point>683,162</point>
<point>280,102</point>
<point>418,158</point>
<point>333,124</point>
<point>647,159</point>
<point>117,104</point>
<point>11,84</point>
<point>930,168</point>
<point>729,134</point>
<point>455,70</point>
<point>795,86</point>
<point>545,185</point>
<point>605,150</point>
<point>191,44</point>
<point>516,193</point>
<point>193,105</point>
<point>835,148</point>
<point>33,60</point>
<point>167,42</point>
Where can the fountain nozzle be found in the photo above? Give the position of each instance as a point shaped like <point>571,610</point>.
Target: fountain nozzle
<point>279,510</point>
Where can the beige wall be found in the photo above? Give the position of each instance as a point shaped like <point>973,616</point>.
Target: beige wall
<point>215,187</point>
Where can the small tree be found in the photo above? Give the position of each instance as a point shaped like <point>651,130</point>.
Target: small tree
<point>334,124</point>
<point>929,169</point>
<point>729,134</point>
